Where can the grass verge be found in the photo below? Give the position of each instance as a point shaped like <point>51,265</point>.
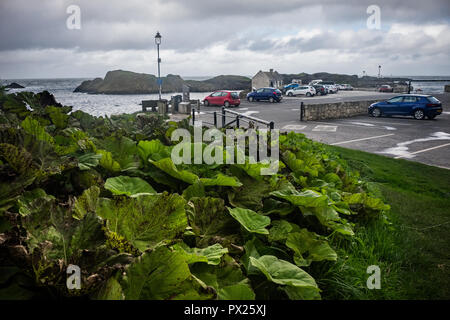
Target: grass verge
<point>413,252</point>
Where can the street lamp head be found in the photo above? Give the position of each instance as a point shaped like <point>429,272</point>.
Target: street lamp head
<point>158,38</point>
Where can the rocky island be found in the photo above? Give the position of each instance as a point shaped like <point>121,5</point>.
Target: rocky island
<point>127,82</point>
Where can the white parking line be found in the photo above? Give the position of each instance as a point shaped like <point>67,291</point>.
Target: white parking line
<point>293,127</point>
<point>325,128</point>
<point>401,149</point>
<point>362,139</point>
<point>424,150</point>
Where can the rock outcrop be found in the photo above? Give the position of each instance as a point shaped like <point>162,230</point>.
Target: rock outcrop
<point>14,85</point>
<point>127,82</point>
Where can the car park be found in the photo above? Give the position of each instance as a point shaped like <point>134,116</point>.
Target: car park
<point>418,106</point>
<point>223,98</point>
<point>385,88</point>
<point>270,94</point>
<point>308,91</point>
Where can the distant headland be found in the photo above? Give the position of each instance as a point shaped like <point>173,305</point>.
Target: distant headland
<point>127,82</point>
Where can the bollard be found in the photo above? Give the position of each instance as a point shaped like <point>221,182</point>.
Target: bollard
<point>215,119</point>
<point>193,116</point>
<point>223,117</point>
<point>301,111</point>
<point>272,125</point>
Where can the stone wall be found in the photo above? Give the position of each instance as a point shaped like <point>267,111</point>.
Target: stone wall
<point>335,110</point>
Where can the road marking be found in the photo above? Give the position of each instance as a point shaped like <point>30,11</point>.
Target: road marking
<point>383,123</point>
<point>293,127</point>
<point>424,150</point>
<point>362,139</point>
<point>389,128</point>
<point>325,128</point>
<point>363,124</point>
<point>401,150</point>
<point>446,112</point>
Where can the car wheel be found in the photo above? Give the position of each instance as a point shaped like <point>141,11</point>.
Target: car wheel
<point>419,114</point>
<point>237,106</point>
<point>250,99</point>
<point>206,103</point>
<point>432,117</point>
<point>308,94</point>
<point>376,112</point>
<point>226,104</point>
<point>271,100</point>
<point>290,94</point>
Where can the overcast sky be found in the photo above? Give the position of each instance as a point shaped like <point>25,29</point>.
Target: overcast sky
<point>209,37</point>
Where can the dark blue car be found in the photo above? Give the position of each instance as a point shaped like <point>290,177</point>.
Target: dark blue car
<point>418,106</point>
<point>271,94</point>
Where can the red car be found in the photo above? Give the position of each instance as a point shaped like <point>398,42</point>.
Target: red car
<point>222,98</point>
<point>386,88</point>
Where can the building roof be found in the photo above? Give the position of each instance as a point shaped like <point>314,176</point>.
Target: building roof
<point>272,75</point>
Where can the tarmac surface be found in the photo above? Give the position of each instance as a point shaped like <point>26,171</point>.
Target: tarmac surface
<point>425,141</point>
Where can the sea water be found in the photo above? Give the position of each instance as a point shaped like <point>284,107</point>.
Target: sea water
<point>95,104</point>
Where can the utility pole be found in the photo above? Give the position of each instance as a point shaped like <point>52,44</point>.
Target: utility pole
<point>158,42</point>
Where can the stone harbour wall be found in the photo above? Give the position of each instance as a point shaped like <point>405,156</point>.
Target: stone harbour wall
<point>335,110</point>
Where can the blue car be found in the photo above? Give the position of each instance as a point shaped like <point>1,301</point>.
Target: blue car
<point>271,94</point>
<point>418,106</point>
<point>290,86</point>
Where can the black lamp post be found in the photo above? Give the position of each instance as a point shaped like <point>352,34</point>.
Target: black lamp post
<point>158,42</point>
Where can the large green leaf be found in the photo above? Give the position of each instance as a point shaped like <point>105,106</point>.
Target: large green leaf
<point>88,160</point>
<point>87,202</point>
<point>107,161</point>
<point>31,201</point>
<point>145,220</point>
<point>308,247</point>
<point>250,220</point>
<point>227,279</point>
<point>160,275</point>
<point>307,198</point>
<point>210,255</point>
<point>283,272</point>
<point>123,150</point>
<point>33,127</point>
<point>221,180</point>
<point>169,167</point>
<point>153,150</point>
<point>211,223</point>
<point>280,230</point>
<point>59,119</point>
<point>132,187</point>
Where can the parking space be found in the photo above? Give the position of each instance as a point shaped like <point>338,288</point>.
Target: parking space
<point>426,141</point>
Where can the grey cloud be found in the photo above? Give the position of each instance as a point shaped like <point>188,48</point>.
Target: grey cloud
<point>188,25</point>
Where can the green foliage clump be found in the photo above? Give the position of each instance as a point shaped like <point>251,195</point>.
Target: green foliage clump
<point>104,194</point>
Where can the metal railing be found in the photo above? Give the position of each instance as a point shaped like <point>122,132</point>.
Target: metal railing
<point>236,119</point>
